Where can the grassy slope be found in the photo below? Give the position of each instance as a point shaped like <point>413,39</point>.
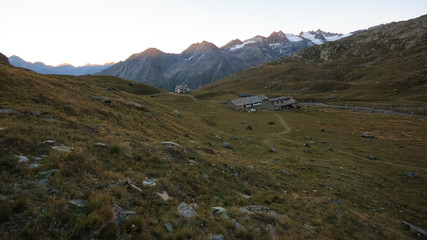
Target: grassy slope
<point>374,195</point>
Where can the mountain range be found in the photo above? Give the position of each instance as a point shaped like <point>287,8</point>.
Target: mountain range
<point>64,69</point>
<point>204,63</point>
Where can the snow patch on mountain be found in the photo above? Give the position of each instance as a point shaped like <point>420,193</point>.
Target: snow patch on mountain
<point>241,45</point>
<point>293,38</point>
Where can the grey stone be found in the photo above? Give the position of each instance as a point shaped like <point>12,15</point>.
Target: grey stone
<point>330,149</point>
<point>111,88</point>
<point>324,142</point>
<point>34,165</point>
<point>249,128</point>
<point>176,112</point>
<point>306,145</point>
<point>151,182</point>
<point>319,122</point>
<point>7,111</point>
<point>168,227</point>
<point>218,137</point>
<point>272,149</point>
<point>234,138</point>
<point>50,142</point>
<point>34,113</point>
<point>368,136</point>
<point>122,215</point>
<point>270,123</point>
<point>2,197</point>
<point>237,225</point>
<point>220,210</point>
<point>101,99</point>
<point>257,209</point>
<point>99,144</point>
<point>308,137</point>
<point>78,202</point>
<point>336,201</point>
<point>186,210</point>
<point>135,104</point>
<point>286,171</point>
<point>226,145</point>
<point>170,144</point>
<point>21,158</point>
<point>372,157</point>
<point>322,130</point>
<point>111,186</point>
<point>410,175</point>
<point>217,237</point>
<point>62,148</point>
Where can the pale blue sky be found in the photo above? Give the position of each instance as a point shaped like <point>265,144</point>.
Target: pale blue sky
<point>99,31</point>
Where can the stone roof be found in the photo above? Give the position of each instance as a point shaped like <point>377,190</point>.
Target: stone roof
<point>248,100</point>
<point>283,101</point>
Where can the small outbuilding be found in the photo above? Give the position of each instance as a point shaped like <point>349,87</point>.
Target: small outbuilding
<point>242,95</point>
<point>182,88</point>
<point>279,103</point>
<point>245,103</point>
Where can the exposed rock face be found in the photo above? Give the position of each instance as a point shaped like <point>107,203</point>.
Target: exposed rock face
<point>4,59</point>
<point>203,63</point>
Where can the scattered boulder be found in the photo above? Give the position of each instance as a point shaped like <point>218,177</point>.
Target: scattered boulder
<point>168,226</point>
<point>218,137</point>
<point>135,104</point>
<point>308,137</point>
<point>330,149</point>
<point>217,237</point>
<point>170,144</point>
<point>122,215</point>
<point>249,127</point>
<point>336,201</point>
<point>62,148</point>
<point>164,196</point>
<point>257,209</point>
<point>7,111</point>
<point>272,149</point>
<point>319,122</point>
<point>176,112</point>
<point>270,123</point>
<point>186,210</point>
<point>226,145</point>
<point>151,182</point>
<point>368,136</point>
<point>34,113</point>
<point>34,165</point>
<point>99,144</point>
<point>78,202</point>
<point>372,157</point>
<point>101,99</point>
<point>410,175</point>
<point>322,130</point>
<point>324,142</point>
<point>237,225</point>
<point>220,210</point>
<point>234,138</point>
<point>111,88</point>
<point>89,129</point>
<point>306,144</point>
<point>21,158</point>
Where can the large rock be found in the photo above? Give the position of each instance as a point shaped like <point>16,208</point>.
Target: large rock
<point>122,215</point>
<point>257,209</point>
<point>186,210</point>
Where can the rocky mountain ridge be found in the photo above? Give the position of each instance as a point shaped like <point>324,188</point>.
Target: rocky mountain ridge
<point>203,63</point>
<point>63,69</point>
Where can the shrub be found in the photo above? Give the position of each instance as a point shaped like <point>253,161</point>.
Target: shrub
<point>109,232</point>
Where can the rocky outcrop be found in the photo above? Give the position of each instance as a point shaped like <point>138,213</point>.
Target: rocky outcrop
<point>4,59</point>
